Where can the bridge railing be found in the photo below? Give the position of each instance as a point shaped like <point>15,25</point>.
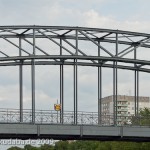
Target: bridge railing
<point>46,117</point>
<point>53,117</point>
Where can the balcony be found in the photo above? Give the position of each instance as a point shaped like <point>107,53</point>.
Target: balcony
<point>122,109</point>
<point>122,118</point>
<point>122,104</point>
<point>124,115</point>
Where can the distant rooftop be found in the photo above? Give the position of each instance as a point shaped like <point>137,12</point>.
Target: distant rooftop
<point>128,98</point>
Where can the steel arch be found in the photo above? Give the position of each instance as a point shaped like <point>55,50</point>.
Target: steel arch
<point>68,41</point>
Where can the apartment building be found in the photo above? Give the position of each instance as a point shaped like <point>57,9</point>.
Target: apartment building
<point>125,107</point>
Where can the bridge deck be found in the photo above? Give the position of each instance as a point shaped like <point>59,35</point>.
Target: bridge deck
<point>47,125</point>
<point>73,132</point>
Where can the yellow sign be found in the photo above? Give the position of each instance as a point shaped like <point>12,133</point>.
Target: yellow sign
<point>57,107</point>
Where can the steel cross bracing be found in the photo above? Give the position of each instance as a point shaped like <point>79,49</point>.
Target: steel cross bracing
<point>75,46</point>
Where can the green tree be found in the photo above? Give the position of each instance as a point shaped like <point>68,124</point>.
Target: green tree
<point>125,146</point>
<point>143,118</point>
<point>104,146</point>
<point>145,146</point>
<point>89,145</point>
<point>61,145</point>
<point>15,148</point>
<point>46,147</point>
<point>29,147</point>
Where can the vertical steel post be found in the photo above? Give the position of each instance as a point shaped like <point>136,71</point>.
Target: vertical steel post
<point>62,117</point>
<point>115,80</point>
<point>61,87</point>
<point>20,83</point>
<point>135,84</point>
<point>114,103</point>
<point>99,89</point>
<point>135,79</point>
<point>116,73</point>
<point>137,92</point>
<point>74,77</point>
<point>33,80</point>
<point>116,94</point>
<point>76,83</point>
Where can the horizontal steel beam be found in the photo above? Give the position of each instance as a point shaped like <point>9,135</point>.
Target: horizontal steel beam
<point>75,28</point>
<point>73,38</point>
<point>71,57</point>
<point>72,63</point>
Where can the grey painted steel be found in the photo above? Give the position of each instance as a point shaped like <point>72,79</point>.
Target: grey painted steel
<point>76,76</point>
<point>65,57</point>
<point>101,131</point>
<point>135,83</point>
<point>33,80</point>
<point>116,78</point>
<point>51,117</point>
<point>114,94</point>
<point>72,63</point>
<point>60,130</point>
<point>75,92</point>
<point>76,56</point>
<point>22,131</point>
<point>80,38</point>
<point>74,28</point>
<point>18,129</point>
<point>135,78</point>
<point>76,82</point>
<point>61,87</point>
<point>21,84</point>
<point>137,93</point>
<point>99,89</point>
<point>90,39</point>
<point>136,132</point>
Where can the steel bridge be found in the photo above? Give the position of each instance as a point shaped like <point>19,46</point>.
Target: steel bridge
<point>68,51</point>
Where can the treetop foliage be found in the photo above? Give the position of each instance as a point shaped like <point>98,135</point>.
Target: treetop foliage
<point>88,145</point>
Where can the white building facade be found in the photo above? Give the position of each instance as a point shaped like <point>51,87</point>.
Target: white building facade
<point>125,108</point>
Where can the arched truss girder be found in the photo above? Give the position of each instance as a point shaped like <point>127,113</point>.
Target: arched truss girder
<point>62,60</point>
<point>93,35</point>
<point>68,40</point>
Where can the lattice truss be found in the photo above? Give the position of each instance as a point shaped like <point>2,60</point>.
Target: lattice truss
<point>76,46</point>
<point>62,45</point>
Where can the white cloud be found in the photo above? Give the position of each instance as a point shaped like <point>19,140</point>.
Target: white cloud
<point>68,13</point>
<point>62,13</point>
<point>8,92</point>
<point>94,19</point>
<point>87,13</point>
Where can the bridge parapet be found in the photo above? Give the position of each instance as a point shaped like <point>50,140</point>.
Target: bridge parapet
<point>10,116</point>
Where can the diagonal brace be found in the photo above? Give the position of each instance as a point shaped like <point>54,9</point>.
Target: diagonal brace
<point>15,45</point>
<point>78,49</point>
<point>141,43</point>
<point>96,44</point>
<point>55,42</point>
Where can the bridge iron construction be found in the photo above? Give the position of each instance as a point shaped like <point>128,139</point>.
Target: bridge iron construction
<point>113,49</point>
